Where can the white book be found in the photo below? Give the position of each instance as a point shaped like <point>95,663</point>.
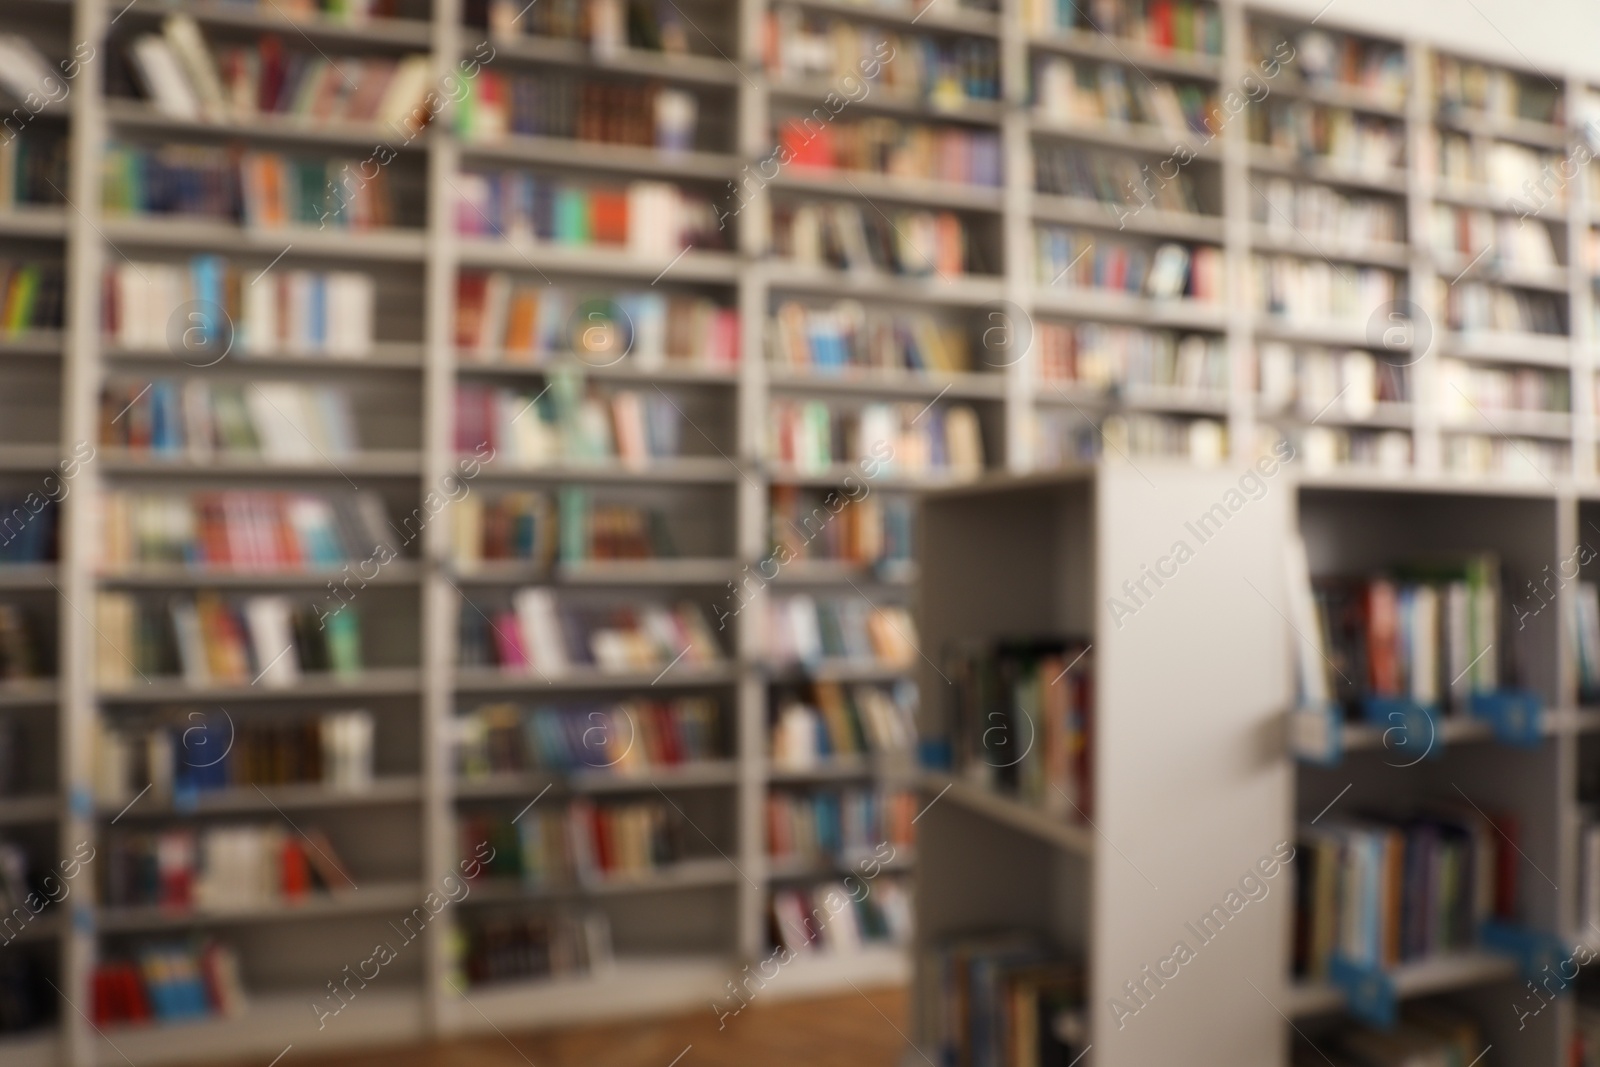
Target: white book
<point>1423,667</point>
<point>191,645</point>
<point>163,77</point>
<point>188,46</point>
<point>804,634</point>
<point>280,421</point>
<point>272,641</point>
<point>496,306</point>
<point>1310,650</point>
<point>258,331</point>
<point>25,72</point>
<point>842,932</point>
<point>403,98</point>
<point>542,637</point>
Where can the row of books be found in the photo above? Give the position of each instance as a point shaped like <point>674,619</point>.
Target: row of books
<point>647,218</point>
<point>1066,438</point>
<point>943,70</point>
<point>1312,380</point>
<point>1288,208</point>
<point>252,188</point>
<point>811,524</point>
<point>567,423</point>
<point>1525,459</point>
<point>1425,634</point>
<point>899,149</point>
<point>816,630</point>
<point>283,420</point>
<point>585,843</point>
<point>1345,140</point>
<point>1099,356</point>
<point>501,320</point>
<point>802,920</point>
<point>24,649</point>
<point>842,236</point>
<point>207,640</point>
<point>212,306</point>
<point>1115,178</point>
<point>221,868</point>
<point>537,633</point>
<point>629,737</point>
<point>1464,86</point>
<point>1343,60</point>
<point>1317,292</point>
<point>167,982</point>
<point>608,25</point>
<point>846,335</point>
<point>240,529</point>
<point>1427,1032</point>
<point>1020,720</point>
<point>838,722</point>
<point>186,78</point>
<point>811,436</point>
<point>574,529</point>
<point>181,753</point>
<point>505,948</point>
<point>1329,448</point>
<point>33,169</point>
<point>1501,239</point>
<point>1008,1000</point>
<point>1386,889</point>
<point>1500,168</point>
<point>349,12</point>
<point>1105,95</point>
<point>31,295</point>
<point>553,104</point>
<point>1467,390</point>
<point>1177,25</point>
<point>1078,259</point>
<point>1472,306</point>
<point>840,824</point>
<point>29,533</point>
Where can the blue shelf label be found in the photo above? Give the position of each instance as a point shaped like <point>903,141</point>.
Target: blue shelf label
<point>1316,734</point>
<point>1368,991</point>
<point>1516,716</point>
<point>1534,950</point>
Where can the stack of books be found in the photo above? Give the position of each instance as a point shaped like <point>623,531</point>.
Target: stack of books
<point>207,640</point>
<point>241,529</point>
<point>261,312</point>
<point>1335,60</point>
<point>815,630</point>
<point>1112,178</point>
<point>538,634</point>
<point>168,982</point>
<point>911,439</point>
<point>1468,390</point>
<point>1343,139</point>
<point>502,321</point>
<point>1108,95</point>
<point>30,297</point>
<point>1014,1002</point>
<point>802,920</point>
<point>847,336</point>
<point>605,24</point>
<point>1315,292</point>
<point>1524,459</point>
<point>837,723</point>
<point>1288,208</point>
<point>253,188</point>
<point>630,737</point>
<point>944,71</point>
<point>566,423</point>
<point>586,109</point>
<point>518,948</point>
<point>184,77</point>
<point>644,218</point>
<point>24,653</point>
<point>842,236</point>
<point>1499,239</point>
<point>837,825</point>
<point>896,148</point>
<point>1481,306</point>
<point>815,525</point>
<point>221,868</point>
<point>587,843</point>
<point>1178,25</point>
<point>1383,890</point>
<point>1105,357</point>
<point>1078,259</point>
<point>295,421</point>
<point>1021,721</point>
<point>1311,380</point>
<point>1462,87</point>
<point>183,753</point>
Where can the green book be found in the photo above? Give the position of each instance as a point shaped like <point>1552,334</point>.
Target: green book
<point>574,523</point>
<point>343,635</point>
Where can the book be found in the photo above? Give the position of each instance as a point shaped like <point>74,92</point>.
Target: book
<point>810,436</point>
<point>804,47</point>
<point>836,827</point>
<point>197,419</point>
<point>847,337</point>
<point>629,737</point>
<point>543,634</point>
<point>585,843</point>
<point>523,947</point>
<point>843,236</point>
<point>902,149</point>
<point>219,869</point>
<point>1077,259</point>
<point>814,631</point>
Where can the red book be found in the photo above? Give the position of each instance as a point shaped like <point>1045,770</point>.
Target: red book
<point>609,216</point>
<point>602,826</point>
<point>296,871</point>
<point>271,77</point>
<point>807,146</point>
<point>508,641</point>
<point>470,292</point>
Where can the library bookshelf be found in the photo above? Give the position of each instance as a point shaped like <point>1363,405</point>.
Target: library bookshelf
<point>696,923</point>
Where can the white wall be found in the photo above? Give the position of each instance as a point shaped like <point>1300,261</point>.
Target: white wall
<point>1557,37</point>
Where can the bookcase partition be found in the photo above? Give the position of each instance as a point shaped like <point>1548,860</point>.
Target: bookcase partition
<point>1026,240</point>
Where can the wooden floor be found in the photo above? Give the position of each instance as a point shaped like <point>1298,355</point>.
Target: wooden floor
<point>856,1030</point>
